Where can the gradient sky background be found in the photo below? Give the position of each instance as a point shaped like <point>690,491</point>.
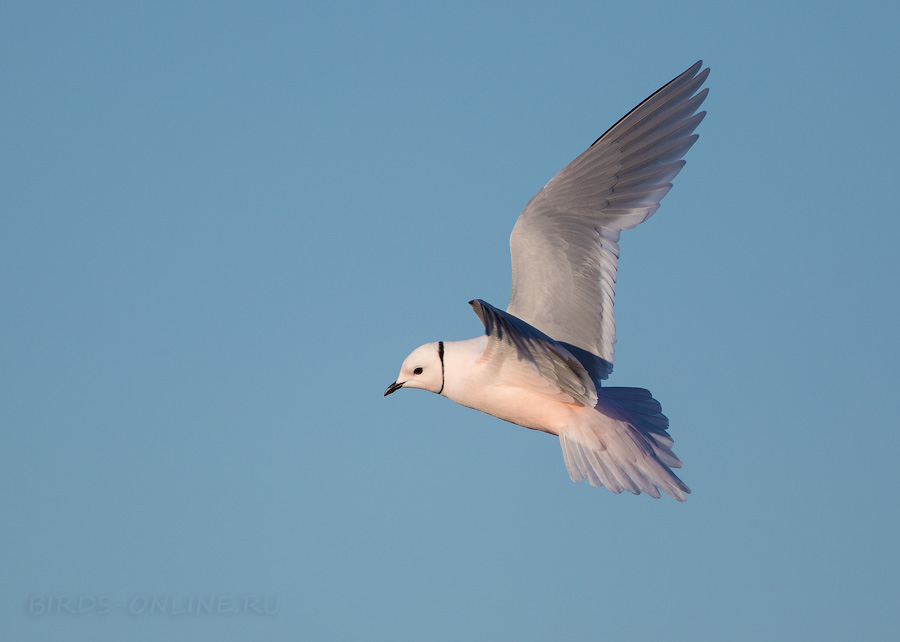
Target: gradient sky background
<point>224,225</point>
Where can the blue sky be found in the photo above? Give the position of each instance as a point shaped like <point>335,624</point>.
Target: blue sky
<point>224,225</point>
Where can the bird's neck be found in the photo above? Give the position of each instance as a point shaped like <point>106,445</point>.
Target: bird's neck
<point>460,358</point>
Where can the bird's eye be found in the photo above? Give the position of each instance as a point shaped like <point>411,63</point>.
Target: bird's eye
<point>417,371</point>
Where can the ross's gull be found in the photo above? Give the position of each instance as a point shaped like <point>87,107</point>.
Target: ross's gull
<point>540,363</point>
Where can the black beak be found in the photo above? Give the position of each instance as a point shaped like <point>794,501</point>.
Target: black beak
<point>394,387</point>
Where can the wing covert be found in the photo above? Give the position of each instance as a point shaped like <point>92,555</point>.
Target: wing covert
<point>551,360</point>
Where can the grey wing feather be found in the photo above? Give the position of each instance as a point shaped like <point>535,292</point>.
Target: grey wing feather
<point>565,247</point>
<point>548,357</point>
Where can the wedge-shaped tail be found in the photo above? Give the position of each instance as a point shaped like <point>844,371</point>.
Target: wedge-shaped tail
<point>622,444</point>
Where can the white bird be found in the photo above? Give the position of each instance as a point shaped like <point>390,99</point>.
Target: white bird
<point>540,363</point>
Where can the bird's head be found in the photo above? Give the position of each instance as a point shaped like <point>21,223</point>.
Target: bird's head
<point>423,368</point>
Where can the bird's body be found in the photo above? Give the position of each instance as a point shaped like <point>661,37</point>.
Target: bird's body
<point>540,364</point>
<point>505,390</point>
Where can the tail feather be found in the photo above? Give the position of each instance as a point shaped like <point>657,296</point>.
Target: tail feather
<point>622,444</point>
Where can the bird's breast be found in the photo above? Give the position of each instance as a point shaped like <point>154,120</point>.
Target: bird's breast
<point>525,401</point>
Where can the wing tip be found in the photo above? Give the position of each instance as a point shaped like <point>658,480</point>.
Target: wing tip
<point>688,75</point>
<point>479,306</point>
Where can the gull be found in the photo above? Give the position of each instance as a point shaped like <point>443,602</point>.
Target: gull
<point>540,363</point>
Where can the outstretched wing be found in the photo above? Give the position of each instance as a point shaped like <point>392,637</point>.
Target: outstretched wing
<point>565,244</point>
<point>512,337</point>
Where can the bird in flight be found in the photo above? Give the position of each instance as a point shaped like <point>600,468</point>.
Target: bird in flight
<point>540,363</point>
